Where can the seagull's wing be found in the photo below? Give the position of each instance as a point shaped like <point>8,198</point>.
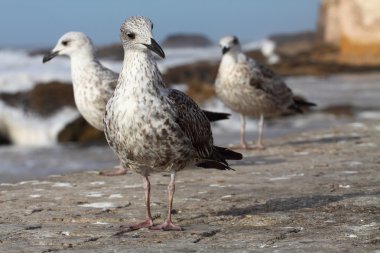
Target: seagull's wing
<point>108,80</point>
<point>192,121</point>
<point>265,80</point>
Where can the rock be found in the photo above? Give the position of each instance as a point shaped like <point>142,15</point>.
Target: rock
<point>186,40</point>
<point>203,72</point>
<point>114,52</point>
<point>294,43</point>
<point>286,38</point>
<point>199,91</point>
<point>4,140</point>
<point>43,100</point>
<point>354,27</point>
<point>81,132</point>
<point>200,71</point>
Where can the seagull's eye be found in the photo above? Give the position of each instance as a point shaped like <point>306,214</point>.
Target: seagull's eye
<point>65,42</point>
<point>131,35</point>
<point>152,26</point>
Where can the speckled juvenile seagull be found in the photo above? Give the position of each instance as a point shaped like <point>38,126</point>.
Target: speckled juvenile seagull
<point>92,82</point>
<point>152,128</point>
<point>252,89</point>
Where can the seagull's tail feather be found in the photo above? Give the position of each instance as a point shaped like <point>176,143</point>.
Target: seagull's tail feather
<point>210,164</point>
<point>300,104</point>
<point>218,159</point>
<point>215,116</point>
<point>228,154</point>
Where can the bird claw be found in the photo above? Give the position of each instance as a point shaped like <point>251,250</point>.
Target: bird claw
<point>145,224</point>
<point>258,147</point>
<point>167,226</point>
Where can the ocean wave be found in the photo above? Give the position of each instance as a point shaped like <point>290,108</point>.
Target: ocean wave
<point>28,129</point>
<point>20,71</point>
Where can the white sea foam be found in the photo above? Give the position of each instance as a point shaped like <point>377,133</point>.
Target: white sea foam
<point>268,48</point>
<point>27,129</point>
<point>20,71</point>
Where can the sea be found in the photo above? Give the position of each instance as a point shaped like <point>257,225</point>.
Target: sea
<point>36,153</point>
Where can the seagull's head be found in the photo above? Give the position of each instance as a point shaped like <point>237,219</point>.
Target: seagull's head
<point>136,34</point>
<point>69,44</point>
<point>229,44</point>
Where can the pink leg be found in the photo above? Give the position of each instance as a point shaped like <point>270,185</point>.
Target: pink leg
<point>149,221</point>
<point>168,224</point>
<point>243,143</point>
<point>119,170</point>
<point>260,145</point>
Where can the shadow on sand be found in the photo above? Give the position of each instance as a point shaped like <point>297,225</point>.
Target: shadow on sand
<point>258,160</point>
<point>292,203</point>
<point>325,140</point>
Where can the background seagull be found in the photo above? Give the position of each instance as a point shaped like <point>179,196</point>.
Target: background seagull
<point>252,89</point>
<point>93,83</point>
<point>152,128</point>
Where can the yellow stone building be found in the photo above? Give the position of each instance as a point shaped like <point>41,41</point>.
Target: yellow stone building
<point>354,27</point>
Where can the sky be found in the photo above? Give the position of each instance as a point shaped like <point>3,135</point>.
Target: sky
<point>40,23</point>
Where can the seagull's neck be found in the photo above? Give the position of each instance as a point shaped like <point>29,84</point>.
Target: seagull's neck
<point>81,61</point>
<point>228,61</point>
<point>82,58</point>
<point>140,74</point>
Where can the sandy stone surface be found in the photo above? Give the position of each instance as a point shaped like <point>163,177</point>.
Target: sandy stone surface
<point>308,192</point>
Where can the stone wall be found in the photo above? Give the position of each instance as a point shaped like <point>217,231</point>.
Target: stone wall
<point>354,27</point>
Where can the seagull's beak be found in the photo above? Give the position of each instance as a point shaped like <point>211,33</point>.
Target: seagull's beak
<point>155,48</point>
<point>225,50</point>
<point>49,56</point>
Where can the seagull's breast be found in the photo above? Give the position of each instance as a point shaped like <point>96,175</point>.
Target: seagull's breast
<point>234,89</point>
<point>89,98</point>
<point>143,131</point>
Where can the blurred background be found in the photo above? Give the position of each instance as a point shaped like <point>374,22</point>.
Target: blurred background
<point>328,51</point>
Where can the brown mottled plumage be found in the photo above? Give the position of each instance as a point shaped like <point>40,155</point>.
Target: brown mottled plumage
<point>93,83</point>
<point>152,128</point>
<point>250,88</point>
